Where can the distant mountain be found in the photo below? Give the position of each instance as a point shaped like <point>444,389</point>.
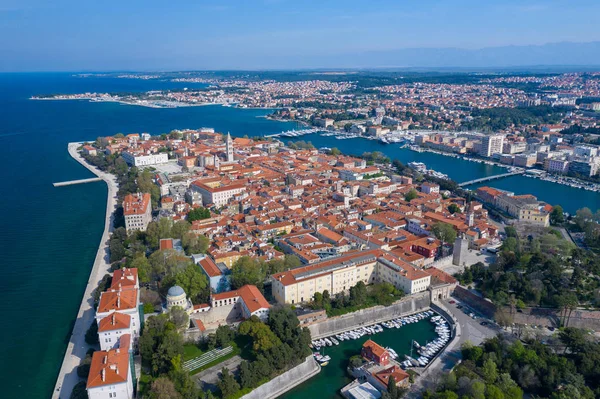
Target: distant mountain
<point>508,56</point>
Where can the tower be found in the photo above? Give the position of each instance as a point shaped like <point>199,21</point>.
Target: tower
<point>229,148</point>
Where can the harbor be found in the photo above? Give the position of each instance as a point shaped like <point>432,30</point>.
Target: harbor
<point>334,376</point>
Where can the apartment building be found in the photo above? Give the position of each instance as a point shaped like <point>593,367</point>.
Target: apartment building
<point>137,209</point>
<point>111,373</point>
<point>144,160</point>
<point>492,144</point>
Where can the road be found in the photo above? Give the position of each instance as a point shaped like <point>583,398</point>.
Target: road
<point>77,347</point>
<point>207,379</point>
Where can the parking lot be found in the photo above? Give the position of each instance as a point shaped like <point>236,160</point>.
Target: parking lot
<point>474,328</point>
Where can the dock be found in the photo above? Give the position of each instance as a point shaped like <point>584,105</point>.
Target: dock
<point>488,178</point>
<point>80,181</point>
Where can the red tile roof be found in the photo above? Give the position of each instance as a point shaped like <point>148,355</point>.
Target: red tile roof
<point>108,368</point>
<point>116,321</point>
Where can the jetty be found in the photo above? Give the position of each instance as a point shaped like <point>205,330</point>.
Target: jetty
<point>488,178</point>
<point>80,181</point>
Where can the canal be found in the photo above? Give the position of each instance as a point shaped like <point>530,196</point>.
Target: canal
<point>570,198</point>
<point>333,377</point>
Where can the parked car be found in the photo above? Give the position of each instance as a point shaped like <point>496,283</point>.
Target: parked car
<point>484,323</point>
<point>459,306</point>
<point>452,302</point>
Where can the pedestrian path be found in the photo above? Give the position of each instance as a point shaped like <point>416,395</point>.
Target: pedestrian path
<point>206,358</point>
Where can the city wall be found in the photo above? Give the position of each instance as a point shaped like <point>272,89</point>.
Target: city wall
<point>335,325</point>
<point>589,319</point>
<point>286,381</point>
<point>486,308</point>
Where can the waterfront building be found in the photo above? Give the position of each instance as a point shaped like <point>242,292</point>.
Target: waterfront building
<point>112,328</point>
<point>491,144</point>
<point>111,372</point>
<point>525,160</point>
<point>125,301</point>
<point>89,150</point>
<point>373,352</point>
<point>560,166</point>
<point>429,188</point>
<point>137,209</point>
<point>134,159</point>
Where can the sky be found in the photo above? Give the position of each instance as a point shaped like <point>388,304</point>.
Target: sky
<point>69,35</point>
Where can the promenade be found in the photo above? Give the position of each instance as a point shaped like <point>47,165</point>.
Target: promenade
<point>77,347</point>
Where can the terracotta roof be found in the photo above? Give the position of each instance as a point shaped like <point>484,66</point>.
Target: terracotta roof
<point>166,243</point>
<point>134,204</point>
<point>440,275</point>
<point>108,368</point>
<point>117,300</point>
<point>209,267</point>
<point>115,321</point>
<point>124,278</point>
<point>251,296</point>
<point>394,371</point>
<point>375,348</point>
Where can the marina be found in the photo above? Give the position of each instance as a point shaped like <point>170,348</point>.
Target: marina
<point>427,352</point>
<point>334,376</point>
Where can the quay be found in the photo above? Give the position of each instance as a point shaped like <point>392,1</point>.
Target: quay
<point>77,347</point>
<point>488,178</point>
<point>80,181</point>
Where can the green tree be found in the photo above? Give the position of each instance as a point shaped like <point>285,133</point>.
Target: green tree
<point>227,384</point>
<point>143,267</point>
<point>490,371</point>
<point>191,279</point>
<point>411,195</point>
<point>199,213</point>
<point>582,217</point>
<point>247,271</point>
<point>443,232</point>
<point>91,335</point>
<point>179,317</point>
<point>180,228</point>
<point>557,215</point>
<point>79,391</point>
<point>335,152</point>
<point>247,376</point>
<point>83,370</point>
<point>184,384</point>
<point>194,243</point>
<point>453,208</point>
<point>263,338</point>
<point>358,293</point>
<point>493,392</point>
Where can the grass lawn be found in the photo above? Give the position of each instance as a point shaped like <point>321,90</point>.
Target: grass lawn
<point>191,351</point>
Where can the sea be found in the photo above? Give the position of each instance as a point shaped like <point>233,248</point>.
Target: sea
<point>49,235</point>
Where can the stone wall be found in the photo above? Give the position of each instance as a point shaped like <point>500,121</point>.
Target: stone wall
<point>286,381</point>
<point>589,319</point>
<point>486,308</point>
<point>335,325</point>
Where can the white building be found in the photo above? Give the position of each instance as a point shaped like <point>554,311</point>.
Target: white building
<point>250,299</point>
<point>491,145</point>
<point>214,192</point>
<point>144,160</point>
<point>137,209</point>
<point>110,373</point>
<point>125,301</point>
<point>112,328</point>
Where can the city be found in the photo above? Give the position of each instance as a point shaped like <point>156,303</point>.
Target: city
<point>267,199</point>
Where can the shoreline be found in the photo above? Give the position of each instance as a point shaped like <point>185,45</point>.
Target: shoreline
<point>77,348</point>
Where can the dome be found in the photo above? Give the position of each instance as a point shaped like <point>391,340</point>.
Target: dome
<point>175,291</point>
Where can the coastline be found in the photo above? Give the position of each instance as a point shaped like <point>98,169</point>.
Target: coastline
<point>77,348</point>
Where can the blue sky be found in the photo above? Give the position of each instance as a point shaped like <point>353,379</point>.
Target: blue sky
<point>204,34</point>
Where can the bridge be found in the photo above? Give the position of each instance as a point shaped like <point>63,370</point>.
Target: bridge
<point>72,182</point>
<point>488,178</point>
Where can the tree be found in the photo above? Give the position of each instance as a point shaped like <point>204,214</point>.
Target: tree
<point>163,388</point>
<point>199,213</point>
<point>356,361</point>
<point>247,271</point>
<point>191,279</point>
<point>83,370</point>
<point>582,217</point>
<point>358,293</point>
<point>184,384</point>
<point>179,317</point>
<point>79,391</point>
<point>91,335</point>
<point>392,389</point>
<point>335,152</point>
<point>224,335</point>
<point>557,215</point>
<point>143,267</point>
<point>411,195</point>
<point>247,376</point>
<point>443,232</point>
<point>453,208</point>
<point>490,371</point>
<point>263,338</point>
<point>180,228</point>
<point>194,243</point>
<point>227,384</point>
<point>574,339</point>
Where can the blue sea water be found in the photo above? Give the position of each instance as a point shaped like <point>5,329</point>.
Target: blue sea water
<point>49,236</point>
